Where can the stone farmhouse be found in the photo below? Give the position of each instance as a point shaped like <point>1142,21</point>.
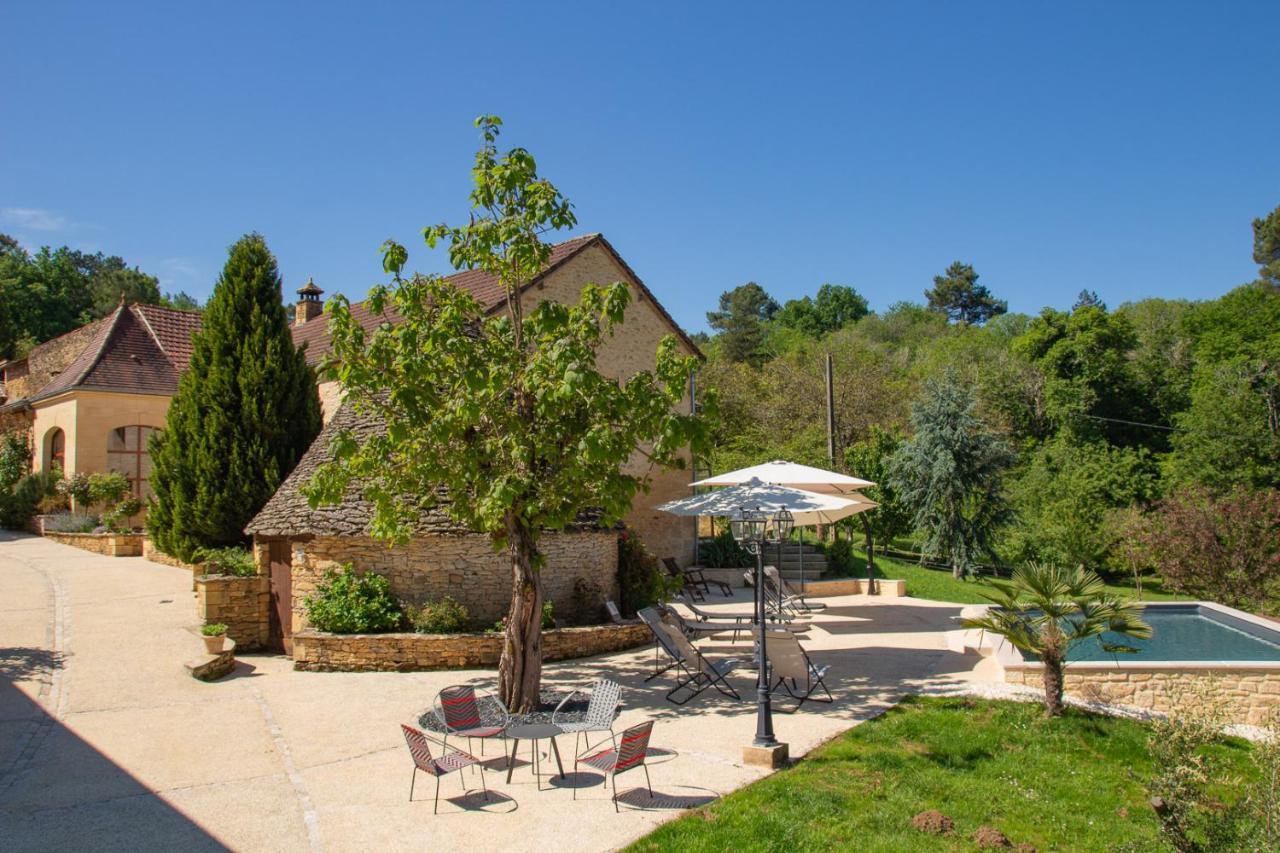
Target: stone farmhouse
<point>93,397</point>
<point>296,545</point>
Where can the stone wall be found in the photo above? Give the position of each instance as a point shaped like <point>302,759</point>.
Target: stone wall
<point>242,604</point>
<point>465,568</point>
<point>1247,694</point>
<point>318,651</point>
<point>107,544</point>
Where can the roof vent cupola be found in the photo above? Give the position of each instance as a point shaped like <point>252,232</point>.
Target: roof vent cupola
<point>309,305</point>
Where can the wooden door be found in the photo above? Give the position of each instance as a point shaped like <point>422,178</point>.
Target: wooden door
<point>281,595</point>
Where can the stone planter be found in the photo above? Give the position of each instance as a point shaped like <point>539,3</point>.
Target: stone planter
<point>107,544</point>
<point>213,645</point>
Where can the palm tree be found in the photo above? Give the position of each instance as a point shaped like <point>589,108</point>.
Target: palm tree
<point>1045,610</point>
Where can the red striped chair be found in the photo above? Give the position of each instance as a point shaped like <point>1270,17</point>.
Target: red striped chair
<point>633,746</point>
<point>465,713</point>
<point>420,748</point>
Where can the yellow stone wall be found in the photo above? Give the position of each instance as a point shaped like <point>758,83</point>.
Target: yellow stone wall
<point>87,417</point>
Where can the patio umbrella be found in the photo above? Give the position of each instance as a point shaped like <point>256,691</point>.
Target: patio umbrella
<point>783,473</point>
<point>807,508</point>
<point>796,476</point>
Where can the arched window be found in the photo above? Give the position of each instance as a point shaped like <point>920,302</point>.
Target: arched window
<point>56,454</point>
<point>127,453</point>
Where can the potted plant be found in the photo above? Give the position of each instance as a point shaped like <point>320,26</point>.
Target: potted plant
<point>213,636</point>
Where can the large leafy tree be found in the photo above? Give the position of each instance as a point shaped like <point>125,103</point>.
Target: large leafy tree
<point>1266,247</point>
<point>741,322</point>
<point>957,294</point>
<point>55,290</point>
<point>870,459</point>
<point>835,307</point>
<point>245,412</point>
<point>951,473</point>
<point>507,414</point>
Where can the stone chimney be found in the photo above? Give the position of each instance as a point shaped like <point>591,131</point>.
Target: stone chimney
<point>309,305</point>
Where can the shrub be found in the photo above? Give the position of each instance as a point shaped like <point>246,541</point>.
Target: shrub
<point>228,561</point>
<point>348,602</point>
<point>76,488</point>
<point>445,616</point>
<point>640,581</point>
<point>724,552</point>
<point>216,629</point>
<point>587,601</point>
<point>70,523</point>
<point>15,457</point>
<point>19,503</point>
<point>548,616</point>
<point>107,488</point>
<point>115,517</point>
<point>841,559</point>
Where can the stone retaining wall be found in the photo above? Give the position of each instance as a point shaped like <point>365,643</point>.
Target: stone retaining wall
<point>319,651</point>
<point>1247,694</point>
<point>107,544</point>
<point>242,604</point>
<point>467,569</point>
<point>155,555</point>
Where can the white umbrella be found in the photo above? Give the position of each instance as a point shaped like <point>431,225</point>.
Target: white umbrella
<point>807,508</point>
<point>791,474</point>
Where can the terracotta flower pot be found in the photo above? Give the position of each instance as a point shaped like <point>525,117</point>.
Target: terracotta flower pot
<point>213,645</point>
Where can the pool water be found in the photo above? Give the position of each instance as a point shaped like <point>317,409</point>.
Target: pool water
<point>1186,632</point>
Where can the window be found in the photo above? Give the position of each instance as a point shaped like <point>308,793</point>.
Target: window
<point>127,453</point>
<point>56,441</point>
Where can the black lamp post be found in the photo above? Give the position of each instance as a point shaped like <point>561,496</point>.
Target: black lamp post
<point>749,528</point>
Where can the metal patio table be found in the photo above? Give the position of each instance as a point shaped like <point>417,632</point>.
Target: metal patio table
<point>534,732</point>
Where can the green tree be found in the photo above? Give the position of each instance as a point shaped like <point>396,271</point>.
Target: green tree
<point>245,412</point>
<point>1046,610</point>
<point>869,459</point>
<point>1266,247</point>
<point>957,294</point>
<point>508,414</point>
<point>741,322</point>
<point>951,474</point>
<point>835,307</point>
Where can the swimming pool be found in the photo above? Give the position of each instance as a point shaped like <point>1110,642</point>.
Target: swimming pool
<point>1186,632</point>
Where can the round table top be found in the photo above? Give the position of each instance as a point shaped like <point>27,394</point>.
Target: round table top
<point>534,731</point>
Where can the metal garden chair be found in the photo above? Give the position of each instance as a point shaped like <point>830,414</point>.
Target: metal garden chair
<point>796,674</point>
<point>465,712</point>
<point>602,709</point>
<point>627,755</point>
<point>419,744</point>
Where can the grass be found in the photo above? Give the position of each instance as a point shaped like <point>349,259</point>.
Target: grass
<point>1075,783</point>
<point>937,585</point>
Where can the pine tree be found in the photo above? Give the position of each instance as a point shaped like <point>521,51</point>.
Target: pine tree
<point>245,412</point>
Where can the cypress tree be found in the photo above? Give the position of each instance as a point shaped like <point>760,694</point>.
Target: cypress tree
<point>245,412</point>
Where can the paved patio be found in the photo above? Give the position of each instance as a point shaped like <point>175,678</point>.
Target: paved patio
<point>106,743</point>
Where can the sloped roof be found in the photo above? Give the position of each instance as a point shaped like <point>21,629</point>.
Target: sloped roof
<point>486,289</point>
<point>288,514</point>
<point>140,349</point>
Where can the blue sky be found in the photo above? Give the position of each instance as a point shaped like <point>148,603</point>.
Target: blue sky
<point>1121,147</point>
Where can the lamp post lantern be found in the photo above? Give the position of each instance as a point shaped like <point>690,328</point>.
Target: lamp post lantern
<point>750,529</point>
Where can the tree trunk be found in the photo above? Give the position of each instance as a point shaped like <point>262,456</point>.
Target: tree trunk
<point>1052,685</point>
<point>520,669</point>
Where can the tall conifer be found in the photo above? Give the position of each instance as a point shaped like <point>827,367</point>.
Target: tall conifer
<point>245,412</point>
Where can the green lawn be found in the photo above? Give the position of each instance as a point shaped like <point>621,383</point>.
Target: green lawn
<point>1075,783</point>
<point>941,586</point>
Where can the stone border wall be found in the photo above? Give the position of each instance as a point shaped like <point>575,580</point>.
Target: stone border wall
<point>318,651</point>
<point>1247,694</point>
<point>107,544</point>
<point>242,604</point>
<point>153,554</point>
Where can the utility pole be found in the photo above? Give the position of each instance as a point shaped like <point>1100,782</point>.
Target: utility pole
<point>831,418</point>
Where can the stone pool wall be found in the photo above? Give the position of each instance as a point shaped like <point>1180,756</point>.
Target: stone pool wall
<point>1248,694</point>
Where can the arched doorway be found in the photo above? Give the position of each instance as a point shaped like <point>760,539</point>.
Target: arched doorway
<point>55,450</point>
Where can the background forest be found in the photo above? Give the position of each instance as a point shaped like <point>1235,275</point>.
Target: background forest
<point>1127,438</point>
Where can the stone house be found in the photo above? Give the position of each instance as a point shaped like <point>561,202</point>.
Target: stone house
<point>297,545</point>
<point>92,397</point>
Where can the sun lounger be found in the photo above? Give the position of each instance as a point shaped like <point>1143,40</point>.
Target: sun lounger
<point>790,664</point>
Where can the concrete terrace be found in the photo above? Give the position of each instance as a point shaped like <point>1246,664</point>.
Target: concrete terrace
<point>105,742</point>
